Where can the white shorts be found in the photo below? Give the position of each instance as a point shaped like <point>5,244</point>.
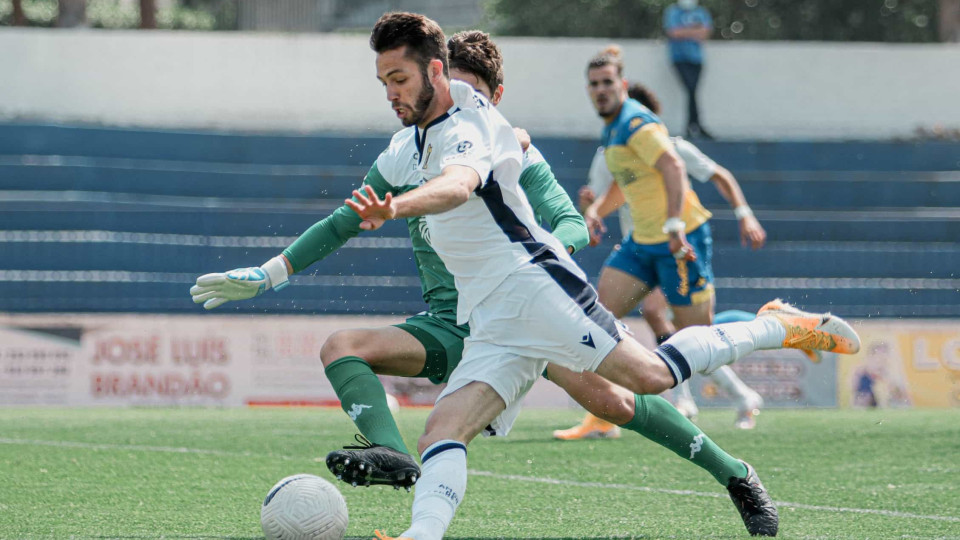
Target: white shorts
<point>538,315</point>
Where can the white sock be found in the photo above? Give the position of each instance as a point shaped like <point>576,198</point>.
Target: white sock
<point>703,349</point>
<point>439,490</point>
<point>728,380</point>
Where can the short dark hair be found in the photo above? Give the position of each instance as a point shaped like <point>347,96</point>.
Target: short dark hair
<point>474,52</point>
<point>645,96</point>
<point>611,55</point>
<point>422,36</point>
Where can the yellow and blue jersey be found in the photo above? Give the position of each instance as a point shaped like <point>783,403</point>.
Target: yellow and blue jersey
<point>634,142</point>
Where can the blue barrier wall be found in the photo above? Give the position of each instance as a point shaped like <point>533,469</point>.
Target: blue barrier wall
<point>95,219</point>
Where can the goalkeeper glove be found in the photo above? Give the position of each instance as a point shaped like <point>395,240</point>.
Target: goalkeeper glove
<point>216,289</point>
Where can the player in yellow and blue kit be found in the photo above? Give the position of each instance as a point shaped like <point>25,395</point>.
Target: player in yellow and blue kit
<point>670,245</point>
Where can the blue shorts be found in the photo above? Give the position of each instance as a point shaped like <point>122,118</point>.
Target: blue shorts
<point>684,283</point>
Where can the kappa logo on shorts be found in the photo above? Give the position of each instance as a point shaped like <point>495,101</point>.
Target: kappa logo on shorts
<point>588,341</point>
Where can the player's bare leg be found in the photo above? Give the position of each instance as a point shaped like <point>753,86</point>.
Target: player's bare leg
<point>388,349</point>
<point>695,315</point>
<point>351,359</point>
<point>456,419</point>
<point>654,311</point>
<point>703,349</point>
<point>748,401</point>
<point>620,292</point>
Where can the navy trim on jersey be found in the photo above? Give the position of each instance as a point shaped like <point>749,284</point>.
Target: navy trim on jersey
<point>509,223</point>
<point>442,448</point>
<point>543,256</point>
<point>421,140</point>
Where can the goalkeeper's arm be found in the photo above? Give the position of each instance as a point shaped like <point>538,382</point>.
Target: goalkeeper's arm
<point>320,240</point>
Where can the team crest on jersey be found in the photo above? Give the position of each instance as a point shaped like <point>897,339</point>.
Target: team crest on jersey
<point>426,155</point>
<point>635,123</point>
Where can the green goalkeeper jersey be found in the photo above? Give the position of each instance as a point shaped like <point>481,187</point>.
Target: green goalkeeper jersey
<point>549,201</point>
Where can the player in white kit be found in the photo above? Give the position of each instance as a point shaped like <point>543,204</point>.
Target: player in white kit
<point>525,299</point>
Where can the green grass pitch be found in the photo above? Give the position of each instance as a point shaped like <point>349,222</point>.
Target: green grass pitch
<point>203,473</point>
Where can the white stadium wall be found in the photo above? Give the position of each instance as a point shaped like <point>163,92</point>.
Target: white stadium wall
<point>317,82</point>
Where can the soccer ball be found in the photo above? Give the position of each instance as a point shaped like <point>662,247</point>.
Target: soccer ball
<point>304,507</point>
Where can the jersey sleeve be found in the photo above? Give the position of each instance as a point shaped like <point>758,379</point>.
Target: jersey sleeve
<point>333,231</point>
<point>648,140</point>
<point>699,167</point>
<point>599,176</point>
<point>550,201</point>
<point>468,145</point>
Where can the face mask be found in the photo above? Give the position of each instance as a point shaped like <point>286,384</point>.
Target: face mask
<point>687,4</point>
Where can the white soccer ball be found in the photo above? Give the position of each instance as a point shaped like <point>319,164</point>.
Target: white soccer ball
<point>304,507</point>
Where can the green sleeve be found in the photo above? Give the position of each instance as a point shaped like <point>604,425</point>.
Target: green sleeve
<point>552,203</point>
<point>333,231</point>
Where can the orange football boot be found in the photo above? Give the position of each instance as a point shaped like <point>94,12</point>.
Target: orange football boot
<point>591,428</point>
<point>812,331</point>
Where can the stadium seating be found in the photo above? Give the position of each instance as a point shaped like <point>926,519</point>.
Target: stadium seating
<point>96,219</point>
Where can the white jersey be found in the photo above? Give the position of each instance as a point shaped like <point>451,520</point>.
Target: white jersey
<point>494,233</point>
<point>699,167</point>
<point>531,157</point>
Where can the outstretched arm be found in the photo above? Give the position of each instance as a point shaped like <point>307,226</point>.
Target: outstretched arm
<point>601,208</point>
<point>445,192</point>
<point>320,240</point>
<point>751,232</point>
<point>675,184</point>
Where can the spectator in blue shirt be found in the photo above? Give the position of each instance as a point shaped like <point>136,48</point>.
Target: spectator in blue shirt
<point>687,26</point>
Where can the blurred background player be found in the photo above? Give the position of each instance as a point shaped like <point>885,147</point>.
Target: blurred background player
<point>687,26</point>
<point>651,176</point>
<point>655,309</point>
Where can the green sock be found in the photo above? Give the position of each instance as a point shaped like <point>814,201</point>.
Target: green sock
<point>656,419</point>
<point>365,401</point>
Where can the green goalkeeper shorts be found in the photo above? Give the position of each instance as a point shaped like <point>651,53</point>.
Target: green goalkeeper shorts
<point>443,340</point>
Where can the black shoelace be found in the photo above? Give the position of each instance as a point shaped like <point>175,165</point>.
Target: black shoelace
<point>364,443</point>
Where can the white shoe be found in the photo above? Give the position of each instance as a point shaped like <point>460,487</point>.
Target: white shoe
<point>747,411</point>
